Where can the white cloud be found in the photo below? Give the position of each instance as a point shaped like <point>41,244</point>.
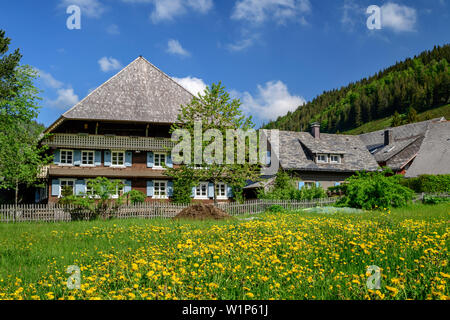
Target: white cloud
<point>271,101</point>
<point>191,84</point>
<point>89,8</point>
<point>66,96</point>
<point>258,11</point>
<point>352,13</point>
<point>49,80</point>
<point>109,64</point>
<point>174,47</point>
<point>169,9</point>
<point>113,29</point>
<point>398,17</point>
<point>244,43</point>
<point>66,99</point>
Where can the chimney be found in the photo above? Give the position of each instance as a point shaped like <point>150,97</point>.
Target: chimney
<point>388,137</point>
<point>315,130</point>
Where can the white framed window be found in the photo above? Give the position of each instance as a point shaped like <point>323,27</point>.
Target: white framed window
<point>160,190</point>
<point>66,157</point>
<point>335,158</point>
<point>118,158</point>
<point>322,158</point>
<point>160,160</point>
<point>309,184</point>
<point>87,158</point>
<point>119,190</point>
<point>66,183</point>
<point>201,192</point>
<point>221,191</point>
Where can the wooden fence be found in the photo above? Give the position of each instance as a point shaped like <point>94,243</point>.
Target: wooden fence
<point>60,213</point>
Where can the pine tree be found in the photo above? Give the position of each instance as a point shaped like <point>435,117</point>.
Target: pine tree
<point>396,120</point>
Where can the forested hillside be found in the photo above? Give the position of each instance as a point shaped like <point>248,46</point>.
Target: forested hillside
<point>421,83</point>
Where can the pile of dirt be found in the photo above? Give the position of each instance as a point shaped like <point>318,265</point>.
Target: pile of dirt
<point>202,211</point>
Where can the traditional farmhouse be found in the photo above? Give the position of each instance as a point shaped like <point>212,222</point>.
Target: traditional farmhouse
<point>325,160</point>
<point>121,131</point>
<point>413,149</point>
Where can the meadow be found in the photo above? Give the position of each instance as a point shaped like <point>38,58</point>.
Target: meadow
<point>294,255</point>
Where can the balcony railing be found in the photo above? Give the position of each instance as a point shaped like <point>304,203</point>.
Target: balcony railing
<point>102,142</point>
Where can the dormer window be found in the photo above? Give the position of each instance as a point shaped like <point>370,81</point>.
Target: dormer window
<point>322,158</point>
<point>335,158</point>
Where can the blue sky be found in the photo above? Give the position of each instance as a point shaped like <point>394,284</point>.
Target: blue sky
<point>272,54</point>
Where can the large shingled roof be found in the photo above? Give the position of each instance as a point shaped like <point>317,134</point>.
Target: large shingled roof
<point>138,93</point>
<point>297,150</point>
<point>408,143</point>
<point>434,154</point>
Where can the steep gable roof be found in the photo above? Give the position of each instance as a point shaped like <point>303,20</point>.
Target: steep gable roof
<point>140,92</point>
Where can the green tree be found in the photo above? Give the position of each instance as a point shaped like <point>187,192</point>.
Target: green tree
<point>8,65</point>
<point>396,120</point>
<point>21,156</point>
<point>411,116</point>
<point>214,109</point>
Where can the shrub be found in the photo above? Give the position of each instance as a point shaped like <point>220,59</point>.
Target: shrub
<point>284,189</point>
<point>276,209</point>
<point>99,203</point>
<point>375,190</point>
<point>434,200</point>
<point>429,183</point>
<point>135,196</point>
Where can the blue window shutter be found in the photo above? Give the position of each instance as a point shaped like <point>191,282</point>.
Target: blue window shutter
<point>269,156</point>
<point>170,188</point>
<point>169,162</point>
<point>57,157</point>
<point>150,189</point>
<point>127,186</point>
<point>128,158</point>
<point>336,184</point>
<point>229,192</point>
<point>77,157</point>
<point>211,190</point>
<point>107,158</point>
<point>193,192</point>
<point>98,158</point>
<point>317,184</point>
<point>55,187</point>
<point>150,160</point>
<point>301,184</point>
<point>80,187</point>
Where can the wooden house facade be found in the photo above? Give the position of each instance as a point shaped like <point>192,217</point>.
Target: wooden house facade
<point>121,130</point>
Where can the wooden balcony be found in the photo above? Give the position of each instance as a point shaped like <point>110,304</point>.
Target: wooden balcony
<point>106,142</point>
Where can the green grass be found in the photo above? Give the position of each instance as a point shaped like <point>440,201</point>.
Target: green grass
<point>295,255</point>
<point>380,124</point>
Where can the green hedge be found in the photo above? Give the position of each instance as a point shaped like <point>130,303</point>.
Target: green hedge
<point>429,183</point>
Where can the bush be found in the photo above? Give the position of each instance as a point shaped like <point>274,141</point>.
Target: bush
<point>434,200</point>
<point>99,203</point>
<point>375,190</point>
<point>135,196</point>
<point>285,190</point>
<point>429,183</point>
<point>276,209</point>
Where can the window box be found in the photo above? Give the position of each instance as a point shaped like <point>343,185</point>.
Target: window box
<point>221,191</point>
<point>159,160</point>
<point>118,159</point>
